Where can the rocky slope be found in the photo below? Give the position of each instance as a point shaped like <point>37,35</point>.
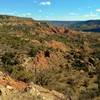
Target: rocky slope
<point>17,90</point>
<point>26,25</point>
<point>36,54</point>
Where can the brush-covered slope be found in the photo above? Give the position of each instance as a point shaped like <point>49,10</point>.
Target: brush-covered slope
<point>28,25</point>
<point>64,61</point>
<point>86,26</point>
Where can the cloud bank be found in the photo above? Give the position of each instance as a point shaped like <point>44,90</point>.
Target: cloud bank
<point>46,3</point>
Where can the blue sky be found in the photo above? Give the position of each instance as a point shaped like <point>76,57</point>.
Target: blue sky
<point>52,9</point>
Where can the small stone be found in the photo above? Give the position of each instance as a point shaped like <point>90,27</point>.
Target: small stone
<point>82,71</point>
<point>9,87</point>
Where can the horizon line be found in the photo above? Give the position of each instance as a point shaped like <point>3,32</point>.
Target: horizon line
<point>43,19</point>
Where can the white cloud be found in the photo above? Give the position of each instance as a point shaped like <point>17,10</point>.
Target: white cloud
<point>73,14</point>
<point>45,3</point>
<point>24,14</point>
<point>15,13</point>
<point>7,13</point>
<point>91,15</point>
<point>98,10</point>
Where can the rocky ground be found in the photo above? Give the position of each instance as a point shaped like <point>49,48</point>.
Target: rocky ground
<point>39,61</point>
<point>17,90</point>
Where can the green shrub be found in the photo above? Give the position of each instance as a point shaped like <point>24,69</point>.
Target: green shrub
<point>78,63</point>
<point>98,74</point>
<point>33,51</point>
<point>36,49</point>
<point>9,59</point>
<point>11,66</point>
<point>96,54</point>
<point>19,73</point>
<point>88,95</point>
<point>8,68</point>
<point>42,77</point>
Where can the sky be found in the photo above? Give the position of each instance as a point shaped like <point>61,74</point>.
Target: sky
<point>52,9</point>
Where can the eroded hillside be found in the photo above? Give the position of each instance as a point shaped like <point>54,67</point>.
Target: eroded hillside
<point>55,58</point>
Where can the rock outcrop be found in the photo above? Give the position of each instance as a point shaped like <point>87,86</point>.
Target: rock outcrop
<point>17,90</point>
